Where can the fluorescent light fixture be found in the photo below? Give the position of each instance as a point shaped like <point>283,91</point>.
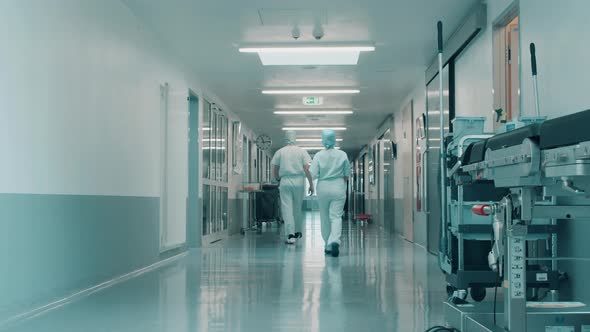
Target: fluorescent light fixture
<point>308,55</point>
<point>436,93</point>
<point>306,49</point>
<point>214,148</point>
<point>214,139</point>
<point>206,128</point>
<point>307,91</point>
<point>312,112</point>
<point>316,148</point>
<point>314,128</point>
<point>315,140</point>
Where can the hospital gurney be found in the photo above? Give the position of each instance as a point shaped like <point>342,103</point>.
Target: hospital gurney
<point>544,169</point>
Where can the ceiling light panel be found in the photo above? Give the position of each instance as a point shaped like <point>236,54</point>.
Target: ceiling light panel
<point>315,140</point>
<point>306,56</point>
<point>314,128</point>
<point>312,112</point>
<point>306,91</point>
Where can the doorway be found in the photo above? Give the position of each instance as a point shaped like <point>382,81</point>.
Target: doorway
<point>174,157</point>
<point>215,174</point>
<point>433,169</point>
<point>193,204</point>
<point>406,156</point>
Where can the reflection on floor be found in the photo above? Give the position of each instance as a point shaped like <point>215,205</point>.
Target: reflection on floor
<point>256,283</point>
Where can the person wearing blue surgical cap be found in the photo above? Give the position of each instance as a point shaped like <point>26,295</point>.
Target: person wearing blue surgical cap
<point>332,169</point>
<point>291,166</point>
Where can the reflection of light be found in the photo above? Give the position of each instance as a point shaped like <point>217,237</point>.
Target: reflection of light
<point>437,112</point>
<point>206,128</point>
<point>434,139</point>
<point>437,128</point>
<point>214,139</point>
<point>214,148</point>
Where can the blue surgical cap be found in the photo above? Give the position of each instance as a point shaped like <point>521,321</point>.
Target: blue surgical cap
<point>328,138</point>
<point>290,137</point>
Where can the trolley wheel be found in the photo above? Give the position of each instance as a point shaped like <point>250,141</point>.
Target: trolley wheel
<point>242,231</point>
<point>478,294</point>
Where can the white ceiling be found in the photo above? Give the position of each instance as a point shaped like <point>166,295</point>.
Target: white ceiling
<point>206,34</point>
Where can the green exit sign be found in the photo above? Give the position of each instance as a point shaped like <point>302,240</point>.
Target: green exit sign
<point>312,101</point>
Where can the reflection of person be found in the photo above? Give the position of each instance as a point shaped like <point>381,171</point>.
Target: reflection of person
<point>332,169</point>
<point>333,308</point>
<point>291,166</point>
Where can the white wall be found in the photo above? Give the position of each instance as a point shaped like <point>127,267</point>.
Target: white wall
<point>473,80</point>
<point>560,32</point>
<point>80,99</point>
<point>474,71</point>
<point>80,109</point>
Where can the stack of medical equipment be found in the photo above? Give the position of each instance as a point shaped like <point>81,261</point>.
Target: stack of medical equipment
<point>503,196</point>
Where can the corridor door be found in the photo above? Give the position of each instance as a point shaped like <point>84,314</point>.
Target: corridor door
<point>406,155</point>
<point>215,174</point>
<point>433,156</point>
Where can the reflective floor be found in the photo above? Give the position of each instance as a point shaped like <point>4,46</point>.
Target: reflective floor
<point>256,283</point>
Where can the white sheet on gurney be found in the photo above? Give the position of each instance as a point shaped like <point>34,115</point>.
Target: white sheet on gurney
<point>554,305</point>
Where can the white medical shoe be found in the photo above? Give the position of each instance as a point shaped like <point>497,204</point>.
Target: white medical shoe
<point>291,239</point>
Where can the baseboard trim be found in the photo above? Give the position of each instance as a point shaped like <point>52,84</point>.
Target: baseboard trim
<point>87,292</point>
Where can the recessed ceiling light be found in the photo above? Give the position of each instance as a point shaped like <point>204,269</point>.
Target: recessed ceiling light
<point>311,112</point>
<point>306,49</point>
<point>308,55</point>
<point>315,140</point>
<point>318,91</point>
<point>314,128</point>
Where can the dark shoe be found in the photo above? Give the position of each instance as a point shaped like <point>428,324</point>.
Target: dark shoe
<point>298,235</point>
<point>327,252</point>
<point>335,249</point>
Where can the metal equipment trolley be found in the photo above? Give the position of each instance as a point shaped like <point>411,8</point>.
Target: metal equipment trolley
<point>264,207</point>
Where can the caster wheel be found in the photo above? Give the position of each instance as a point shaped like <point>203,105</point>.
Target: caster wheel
<point>242,231</point>
<point>478,294</point>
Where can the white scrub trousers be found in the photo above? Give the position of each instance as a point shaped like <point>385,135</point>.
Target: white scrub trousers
<point>331,199</point>
<point>292,190</point>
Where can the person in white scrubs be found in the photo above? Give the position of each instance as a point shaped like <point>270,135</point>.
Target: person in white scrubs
<point>332,169</point>
<point>291,167</point>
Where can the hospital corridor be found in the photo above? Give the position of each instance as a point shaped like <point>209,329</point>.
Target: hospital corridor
<point>310,165</point>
